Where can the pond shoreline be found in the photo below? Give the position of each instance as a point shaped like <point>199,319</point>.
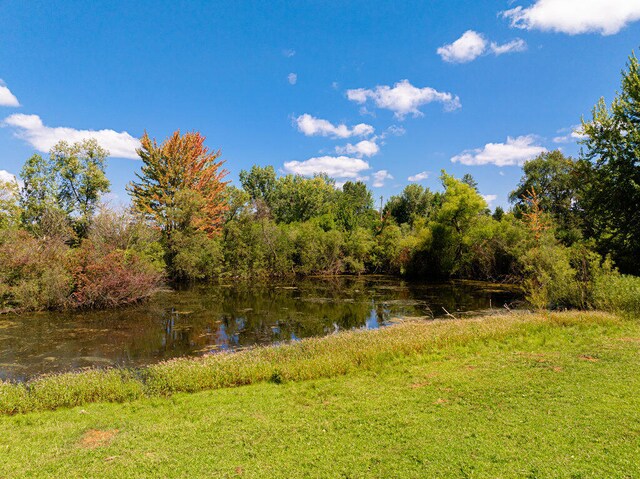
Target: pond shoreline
<point>311,358</point>
<point>206,319</point>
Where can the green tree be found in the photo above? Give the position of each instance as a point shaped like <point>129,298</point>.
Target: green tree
<point>468,179</point>
<point>39,192</point>
<point>557,182</point>
<point>9,204</point>
<point>66,187</point>
<point>355,205</point>
<point>415,201</point>
<point>612,197</point>
<point>80,179</point>
<point>439,248</point>
<point>259,182</point>
<point>297,199</point>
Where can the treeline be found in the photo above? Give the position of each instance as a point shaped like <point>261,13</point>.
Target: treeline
<point>572,221</point>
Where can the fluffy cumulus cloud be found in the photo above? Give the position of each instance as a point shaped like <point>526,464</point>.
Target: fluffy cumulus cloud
<point>573,17</point>
<point>423,175</point>
<point>570,135</point>
<point>490,198</point>
<point>292,78</point>
<point>311,126</point>
<point>473,44</point>
<point>6,177</point>
<point>515,151</point>
<point>334,166</point>
<point>6,97</point>
<point>466,48</point>
<point>360,149</point>
<point>379,177</point>
<point>31,129</point>
<point>403,98</point>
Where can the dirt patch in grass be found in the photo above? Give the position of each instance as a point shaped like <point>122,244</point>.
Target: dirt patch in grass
<point>586,357</point>
<point>94,438</point>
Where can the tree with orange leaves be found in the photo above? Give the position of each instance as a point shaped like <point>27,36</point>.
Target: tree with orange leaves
<point>181,184</point>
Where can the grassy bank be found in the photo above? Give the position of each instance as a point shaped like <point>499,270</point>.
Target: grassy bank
<point>308,359</point>
<point>512,396</point>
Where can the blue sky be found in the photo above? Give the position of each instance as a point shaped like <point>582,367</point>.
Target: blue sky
<point>376,90</point>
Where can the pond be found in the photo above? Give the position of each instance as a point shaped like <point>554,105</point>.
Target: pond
<point>207,319</point>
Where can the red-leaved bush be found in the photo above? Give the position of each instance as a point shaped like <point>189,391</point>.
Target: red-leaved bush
<point>105,279</point>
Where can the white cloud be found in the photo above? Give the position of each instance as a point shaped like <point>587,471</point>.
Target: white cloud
<point>394,130</point>
<point>574,133</point>
<point>403,98</point>
<point>490,198</point>
<point>312,126</point>
<point>334,166</point>
<point>423,175</point>
<point>379,177</point>
<point>465,49</point>
<point>516,151</point>
<point>360,149</point>
<point>517,45</point>
<point>292,78</point>
<point>6,97</point>
<point>31,129</point>
<point>6,177</point>
<point>573,17</point>
<point>473,44</point>
<point>288,53</point>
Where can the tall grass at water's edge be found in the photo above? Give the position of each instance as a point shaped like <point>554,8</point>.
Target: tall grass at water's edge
<point>310,358</point>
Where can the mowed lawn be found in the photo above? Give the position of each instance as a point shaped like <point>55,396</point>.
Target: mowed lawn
<point>557,399</point>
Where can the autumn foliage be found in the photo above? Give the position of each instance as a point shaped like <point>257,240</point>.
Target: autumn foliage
<point>106,279</point>
<point>181,184</point>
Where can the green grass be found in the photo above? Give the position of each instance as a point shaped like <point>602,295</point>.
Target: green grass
<point>513,396</point>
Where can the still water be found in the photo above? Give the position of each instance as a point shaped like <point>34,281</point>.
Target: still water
<point>208,319</point>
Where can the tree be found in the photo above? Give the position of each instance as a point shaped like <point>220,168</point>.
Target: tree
<point>259,182</point>
<point>612,197</point>
<point>39,191</point>
<point>557,182</point>
<point>461,207</point>
<point>9,204</point>
<point>468,179</point>
<point>68,186</point>
<point>296,198</point>
<point>355,205</point>
<point>415,201</point>
<point>498,213</point>
<point>80,179</point>
<point>181,184</point>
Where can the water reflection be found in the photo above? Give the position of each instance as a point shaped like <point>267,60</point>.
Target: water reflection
<point>206,319</point>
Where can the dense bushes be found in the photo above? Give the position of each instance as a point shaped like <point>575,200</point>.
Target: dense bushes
<point>48,273</point>
<point>617,292</point>
<point>34,272</point>
<point>105,279</point>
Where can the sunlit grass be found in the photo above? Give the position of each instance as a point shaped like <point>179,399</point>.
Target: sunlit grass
<point>509,397</point>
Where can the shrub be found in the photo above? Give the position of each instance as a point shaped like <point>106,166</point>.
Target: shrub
<point>33,272</point>
<point>112,278</point>
<point>617,292</point>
